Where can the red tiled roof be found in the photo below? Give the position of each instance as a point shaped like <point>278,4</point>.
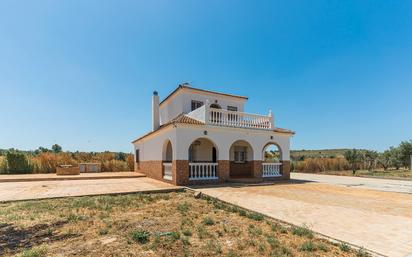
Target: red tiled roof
<point>200,90</point>
<point>286,131</point>
<point>180,119</point>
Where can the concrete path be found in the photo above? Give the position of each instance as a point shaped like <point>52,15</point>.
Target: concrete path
<point>12,191</point>
<point>388,185</point>
<point>82,176</point>
<point>379,221</point>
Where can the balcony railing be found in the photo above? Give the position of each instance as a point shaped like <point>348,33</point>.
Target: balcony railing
<point>225,118</point>
<point>202,171</point>
<point>271,170</point>
<point>167,170</point>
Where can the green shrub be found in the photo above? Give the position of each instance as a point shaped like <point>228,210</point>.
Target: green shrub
<point>344,247</point>
<point>255,216</point>
<point>302,231</point>
<point>17,162</point>
<point>362,252</point>
<point>140,236</point>
<point>273,242</point>
<point>183,208</point>
<point>307,246</point>
<point>208,221</point>
<point>34,252</point>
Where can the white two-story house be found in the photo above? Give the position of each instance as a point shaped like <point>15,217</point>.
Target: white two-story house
<point>200,136</point>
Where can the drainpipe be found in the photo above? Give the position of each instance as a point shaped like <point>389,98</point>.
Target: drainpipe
<point>155,111</point>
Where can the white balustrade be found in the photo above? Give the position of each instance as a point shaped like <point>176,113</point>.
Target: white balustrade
<point>271,169</point>
<point>167,170</point>
<point>202,171</point>
<point>220,117</point>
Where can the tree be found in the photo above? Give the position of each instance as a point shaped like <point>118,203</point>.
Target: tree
<point>353,157</point>
<point>42,150</point>
<point>17,162</point>
<point>370,158</point>
<point>56,148</point>
<point>120,156</point>
<point>405,152</point>
<point>386,159</point>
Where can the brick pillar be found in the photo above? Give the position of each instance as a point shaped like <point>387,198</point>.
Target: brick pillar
<point>257,169</point>
<point>285,169</point>
<point>180,170</point>
<point>223,170</point>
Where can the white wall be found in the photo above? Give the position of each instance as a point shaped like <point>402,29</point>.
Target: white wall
<point>182,103</point>
<point>182,136</point>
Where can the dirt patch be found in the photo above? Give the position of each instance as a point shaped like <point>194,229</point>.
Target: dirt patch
<point>174,224</point>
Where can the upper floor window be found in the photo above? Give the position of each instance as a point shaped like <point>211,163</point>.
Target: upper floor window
<point>232,108</point>
<point>196,104</point>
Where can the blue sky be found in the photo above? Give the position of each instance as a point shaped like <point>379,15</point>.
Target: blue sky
<point>81,73</point>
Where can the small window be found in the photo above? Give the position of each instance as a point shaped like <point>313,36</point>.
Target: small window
<point>196,104</point>
<point>240,155</point>
<point>232,108</point>
<point>137,156</point>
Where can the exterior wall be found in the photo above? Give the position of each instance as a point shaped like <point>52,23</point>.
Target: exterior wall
<point>181,103</point>
<point>224,137</point>
<point>152,150</point>
<point>152,169</point>
<point>68,170</point>
<point>240,169</point>
<point>223,171</point>
<point>257,169</point>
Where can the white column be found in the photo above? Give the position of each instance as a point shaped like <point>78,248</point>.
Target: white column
<point>272,120</point>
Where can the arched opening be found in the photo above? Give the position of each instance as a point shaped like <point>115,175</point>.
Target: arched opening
<point>203,157</point>
<point>241,157</point>
<point>215,106</point>
<point>272,160</point>
<point>167,160</point>
<point>272,153</point>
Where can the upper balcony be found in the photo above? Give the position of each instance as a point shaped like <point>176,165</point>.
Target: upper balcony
<point>225,118</point>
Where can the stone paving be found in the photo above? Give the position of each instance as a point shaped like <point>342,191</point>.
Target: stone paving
<point>12,191</point>
<point>53,176</point>
<point>377,220</point>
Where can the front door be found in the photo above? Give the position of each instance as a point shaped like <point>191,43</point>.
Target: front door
<point>214,156</point>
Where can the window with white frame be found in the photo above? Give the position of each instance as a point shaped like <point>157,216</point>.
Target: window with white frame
<point>240,154</point>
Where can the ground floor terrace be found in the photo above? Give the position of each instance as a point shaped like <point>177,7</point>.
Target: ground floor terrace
<point>216,159</point>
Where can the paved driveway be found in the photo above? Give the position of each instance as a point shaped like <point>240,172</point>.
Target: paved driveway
<point>10,191</point>
<point>388,185</point>
<point>380,221</point>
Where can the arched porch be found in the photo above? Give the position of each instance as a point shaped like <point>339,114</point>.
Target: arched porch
<point>203,160</point>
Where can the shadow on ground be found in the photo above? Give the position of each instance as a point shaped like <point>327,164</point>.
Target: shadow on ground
<point>246,184</point>
<point>13,239</point>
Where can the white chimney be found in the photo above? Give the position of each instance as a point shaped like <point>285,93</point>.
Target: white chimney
<point>155,111</point>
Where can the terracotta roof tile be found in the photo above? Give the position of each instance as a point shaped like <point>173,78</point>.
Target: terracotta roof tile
<point>200,90</point>
<point>286,131</point>
<point>180,119</point>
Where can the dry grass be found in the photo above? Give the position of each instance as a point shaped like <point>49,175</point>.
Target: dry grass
<point>174,224</point>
